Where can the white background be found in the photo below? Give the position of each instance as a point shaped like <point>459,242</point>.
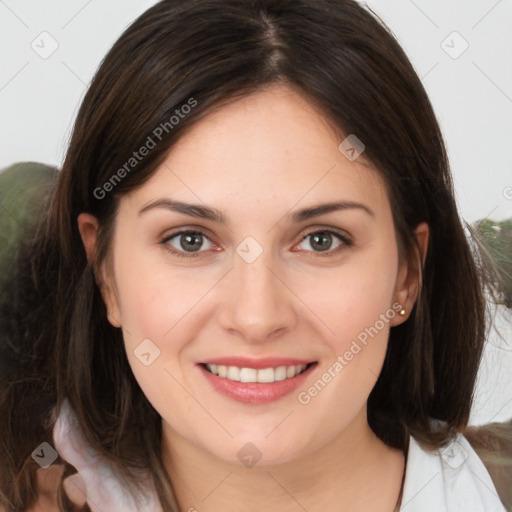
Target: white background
<point>471,94</point>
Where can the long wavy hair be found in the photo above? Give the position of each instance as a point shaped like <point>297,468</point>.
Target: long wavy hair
<point>347,62</point>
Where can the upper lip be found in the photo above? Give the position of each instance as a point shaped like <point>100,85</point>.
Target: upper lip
<point>264,362</point>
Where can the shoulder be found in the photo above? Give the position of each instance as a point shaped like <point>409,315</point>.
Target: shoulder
<point>448,479</point>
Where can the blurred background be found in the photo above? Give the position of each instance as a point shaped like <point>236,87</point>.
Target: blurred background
<point>462,51</point>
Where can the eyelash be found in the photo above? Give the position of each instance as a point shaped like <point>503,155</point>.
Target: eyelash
<point>346,242</point>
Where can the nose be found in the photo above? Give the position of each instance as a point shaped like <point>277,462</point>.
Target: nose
<point>259,305</point>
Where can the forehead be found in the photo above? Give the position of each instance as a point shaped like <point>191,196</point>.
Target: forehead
<point>266,151</point>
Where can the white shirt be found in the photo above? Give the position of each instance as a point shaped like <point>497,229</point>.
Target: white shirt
<point>451,479</point>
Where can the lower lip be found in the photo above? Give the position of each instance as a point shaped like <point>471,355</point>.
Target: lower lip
<point>256,392</point>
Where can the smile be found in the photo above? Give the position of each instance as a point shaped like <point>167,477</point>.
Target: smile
<point>271,381</point>
<point>263,375</point>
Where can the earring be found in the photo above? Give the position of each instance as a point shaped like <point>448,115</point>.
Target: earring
<point>402,312</point>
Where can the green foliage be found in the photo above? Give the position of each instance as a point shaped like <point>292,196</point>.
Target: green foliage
<point>494,240</point>
<point>24,189</point>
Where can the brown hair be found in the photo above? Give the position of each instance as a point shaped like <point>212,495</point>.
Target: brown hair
<point>493,444</point>
<point>341,57</point>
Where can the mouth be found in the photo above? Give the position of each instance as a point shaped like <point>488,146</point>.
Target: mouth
<point>262,375</point>
<point>256,382</point>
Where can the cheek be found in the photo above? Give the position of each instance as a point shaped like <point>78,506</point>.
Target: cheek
<point>152,309</point>
<point>357,309</point>
<point>162,305</point>
<point>360,318</point>
<point>153,299</point>
<point>351,298</point>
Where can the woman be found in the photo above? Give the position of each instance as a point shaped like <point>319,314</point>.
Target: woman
<point>252,290</point>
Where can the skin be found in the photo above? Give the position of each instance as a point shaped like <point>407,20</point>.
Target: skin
<point>257,160</point>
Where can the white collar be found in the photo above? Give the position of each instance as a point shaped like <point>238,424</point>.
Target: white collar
<point>104,489</point>
<point>450,479</point>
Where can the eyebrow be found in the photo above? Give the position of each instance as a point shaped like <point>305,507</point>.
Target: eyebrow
<point>213,214</point>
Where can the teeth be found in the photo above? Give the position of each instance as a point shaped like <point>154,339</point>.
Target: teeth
<point>280,373</point>
<point>233,373</point>
<point>248,375</point>
<point>265,375</point>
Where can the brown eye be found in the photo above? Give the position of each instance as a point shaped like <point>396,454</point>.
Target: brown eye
<point>323,241</point>
<point>185,243</point>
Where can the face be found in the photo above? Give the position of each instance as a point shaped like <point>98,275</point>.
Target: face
<point>276,287</point>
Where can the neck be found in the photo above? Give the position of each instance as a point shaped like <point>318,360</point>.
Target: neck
<point>354,472</point>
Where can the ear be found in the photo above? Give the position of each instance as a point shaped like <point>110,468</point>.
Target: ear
<point>88,226</point>
<point>408,282</point>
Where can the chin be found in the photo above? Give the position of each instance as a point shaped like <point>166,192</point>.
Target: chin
<point>255,450</point>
